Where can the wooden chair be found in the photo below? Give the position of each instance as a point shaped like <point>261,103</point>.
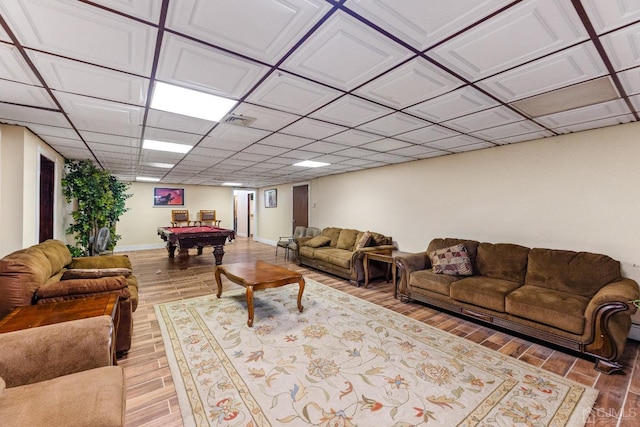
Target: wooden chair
<point>179,216</point>
<point>209,216</point>
<point>289,243</point>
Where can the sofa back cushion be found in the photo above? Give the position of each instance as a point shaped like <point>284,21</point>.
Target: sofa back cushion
<point>333,233</point>
<point>470,245</point>
<point>21,274</point>
<point>347,238</point>
<point>502,261</point>
<point>581,273</point>
<point>57,254</point>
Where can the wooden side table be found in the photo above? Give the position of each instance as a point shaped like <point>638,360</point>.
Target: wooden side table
<point>385,257</point>
<point>32,316</point>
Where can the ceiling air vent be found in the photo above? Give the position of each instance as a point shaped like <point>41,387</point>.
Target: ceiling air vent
<point>232,119</point>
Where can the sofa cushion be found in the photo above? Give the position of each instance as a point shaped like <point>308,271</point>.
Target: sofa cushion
<point>580,273</point>
<point>333,233</point>
<point>94,273</point>
<point>362,240</point>
<point>502,261</point>
<point>453,260</point>
<point>562,310</point>
<point>318,241</point>
<point>428,280</point>
<point>378,239</point>
<point>56,252</point>
<point>338,257</point>
<point>103,261</point>
<point>81,287</point>
<point>483,291</point>
<point>470,245</point>
<point>347,238</point>
<point>21,274</point>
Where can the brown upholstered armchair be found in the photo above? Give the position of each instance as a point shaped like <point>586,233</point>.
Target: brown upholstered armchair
<point>61,375</point>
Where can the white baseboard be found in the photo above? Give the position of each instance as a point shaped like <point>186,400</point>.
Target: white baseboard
<point>139,247</point>
<point>634,333</point>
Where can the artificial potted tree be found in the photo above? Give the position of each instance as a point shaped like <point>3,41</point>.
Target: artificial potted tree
<point>100,201</point>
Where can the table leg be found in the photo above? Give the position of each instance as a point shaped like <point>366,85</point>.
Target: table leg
<point>218,282</point>
<point>250,305</point>
<point>365,264</point>
<point>300,291</point>
<point>171,249</point>
<point>218,253</point>
<point>199,250</point>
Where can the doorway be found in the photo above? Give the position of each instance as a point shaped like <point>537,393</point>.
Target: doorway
<point>243,213</point>
<point>300,206</point>
<point>47,185</point>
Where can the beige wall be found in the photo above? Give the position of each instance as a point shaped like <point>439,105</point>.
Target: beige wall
<point>20,153</point>
<point>275,222</point>
<point>138,226</point>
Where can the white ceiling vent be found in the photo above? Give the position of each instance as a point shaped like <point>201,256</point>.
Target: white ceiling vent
<point>232,119</point>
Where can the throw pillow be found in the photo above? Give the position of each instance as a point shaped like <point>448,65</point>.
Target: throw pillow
<point>453,261</point>
<point>94,273</point>
<point>318,241</point>
<point>363,241</point>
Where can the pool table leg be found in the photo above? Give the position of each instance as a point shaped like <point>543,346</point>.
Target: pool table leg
<point>171,249</point>
<point>218,253</point>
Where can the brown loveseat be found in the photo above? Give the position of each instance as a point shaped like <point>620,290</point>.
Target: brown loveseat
<point>339,251</point>
<point>46,273</point>
<point>61,375</point>
<point>577,300</point>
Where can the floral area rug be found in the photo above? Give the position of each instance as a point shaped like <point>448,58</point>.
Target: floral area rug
<point>347,362</point>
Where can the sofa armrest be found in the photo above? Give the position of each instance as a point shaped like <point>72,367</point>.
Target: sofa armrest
<point>102,261</point>
<point>623,290</point>
<point>302,240</point>
<point>74,287</point>
<point>408,264</point>
<point>45,352</point>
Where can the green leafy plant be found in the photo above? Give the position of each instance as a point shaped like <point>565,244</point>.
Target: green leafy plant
<point>100,199</point>
<point>635,302</point>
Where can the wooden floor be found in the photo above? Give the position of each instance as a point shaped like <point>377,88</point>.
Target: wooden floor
<point>151,397</point>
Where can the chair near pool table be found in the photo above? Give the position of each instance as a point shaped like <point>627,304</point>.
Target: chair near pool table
<point>179,216</point>
<point>209,216</point>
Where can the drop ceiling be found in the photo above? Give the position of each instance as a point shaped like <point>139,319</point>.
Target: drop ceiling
<point>358,84</point>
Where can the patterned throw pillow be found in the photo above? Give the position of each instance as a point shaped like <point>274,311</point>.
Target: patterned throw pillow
<point>363,241</point>
<point>453,261</point>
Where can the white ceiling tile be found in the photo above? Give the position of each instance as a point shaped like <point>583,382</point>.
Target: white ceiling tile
<point>25,94</point>
<point>324,147</point>
<point>630,80</point>
<point>84,79</point>
<point>212,153</point>
<point>623,47</point>
<point>526,31</point>
<point>387,158</point>
<point>285,141</point>
<point>311,128</point>
<point>417,151</point>
<point>506,131</point>
<point>421,24</point>
<point>472,147</point>
<point>428,134</point>
<point>266,118</point>
<point>286,92</point>
<point>454,104</point>
<point>398,88</point>
<point>351,111</point>
<point>126,150</point>
<point>73,29</point>
<point>455,142</point>
<point>74,153</point>
<point>343,53</point>
<point>64,142</point>
<point>355,152</point>
<point>570,66</point>
<point>584,114</point>
<point>267,150</point>
<point>484,119</point>
<point>14,67</point>
<point>599,123</point>
<point>4,36</point>
<point>301,155</point>
<point>263,30</point>
<point>394,124</point>
<point>149,10</point>
<point>386,144</point>
<point>233,137</point>
<point>16,114</point>
<point>105,138</point>
<point>635,100</point>
<point>85,111</point>
<point>524,137</point>
<point>63,132</point>
<point>178,122</point>
<point>607,15</point>
<point>167,135</point>
<point>190,64</point>
<point>354,138</point>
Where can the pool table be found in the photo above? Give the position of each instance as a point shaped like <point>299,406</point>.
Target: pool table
<point>185,238</point>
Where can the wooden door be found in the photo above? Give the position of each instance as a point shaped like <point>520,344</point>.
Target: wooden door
<point>300,206</point>
<point>47,185</point>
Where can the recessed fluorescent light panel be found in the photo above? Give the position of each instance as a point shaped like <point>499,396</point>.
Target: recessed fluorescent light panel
<point>147,179</point>
<point>150,144</point>
<point>159,165</point>
<point>232,184</point>
<point>311,164</point>
<point>188,102</point>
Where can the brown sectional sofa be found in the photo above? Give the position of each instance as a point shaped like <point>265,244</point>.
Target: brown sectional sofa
<point>335,251</point>
<point>577,300</point>
<point>46,272</point>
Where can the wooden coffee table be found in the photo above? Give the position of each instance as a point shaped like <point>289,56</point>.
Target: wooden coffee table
<point>258,275</point>
<point>32,316</point>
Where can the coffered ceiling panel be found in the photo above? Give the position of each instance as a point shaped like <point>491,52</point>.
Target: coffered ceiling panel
<point>345,54</point>
<point>264,30</point>
<point>357,84</point>
<point>508,40</point>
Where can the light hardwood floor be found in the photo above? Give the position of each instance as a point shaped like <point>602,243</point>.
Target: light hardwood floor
<point>151,397</point>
